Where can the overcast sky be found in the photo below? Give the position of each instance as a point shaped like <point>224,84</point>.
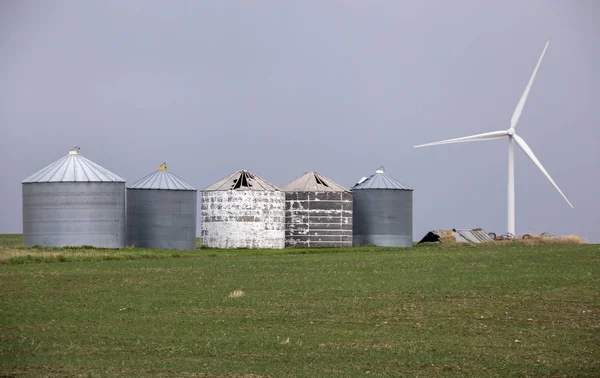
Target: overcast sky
<point>338,87</point>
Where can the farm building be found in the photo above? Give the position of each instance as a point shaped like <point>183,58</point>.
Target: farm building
<point>243,211</point>
<point>161,212</point>
<point>318,212</point>
<point>382,211</point>
<point>74,202</point>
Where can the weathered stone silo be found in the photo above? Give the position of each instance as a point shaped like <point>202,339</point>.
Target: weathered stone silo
<point>243,211</point>
<point>74,202</point>
<point>318,212</point>
<point>383,211</point>
<point>161,212</point>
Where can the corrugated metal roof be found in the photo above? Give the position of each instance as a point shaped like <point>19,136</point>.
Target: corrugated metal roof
<point>476,235</point>
<point>73,168</point>
<point>242,180</point>
<point>313,182</point>
<point>161,179</point>
<point>379,180</point>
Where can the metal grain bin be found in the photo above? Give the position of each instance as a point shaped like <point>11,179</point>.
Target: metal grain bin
<point>161,212</point>
<point>243,211</point>
<point>383,212</point>
<point>74,202</point>
<point>318,212</point>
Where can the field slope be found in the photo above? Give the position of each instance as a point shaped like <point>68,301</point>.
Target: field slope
<point>426,311</point>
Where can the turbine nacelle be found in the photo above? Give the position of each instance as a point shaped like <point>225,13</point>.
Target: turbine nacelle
<point>510,132</point>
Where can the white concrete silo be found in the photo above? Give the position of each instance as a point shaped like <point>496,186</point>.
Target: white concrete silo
<point>74,202</point>
<point>243,211</point>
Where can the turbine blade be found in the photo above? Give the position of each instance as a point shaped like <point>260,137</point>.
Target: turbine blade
<point>470,138</point>
<point>517,114</point>
<point>521,143</point>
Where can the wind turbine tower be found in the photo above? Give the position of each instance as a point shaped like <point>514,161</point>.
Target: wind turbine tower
<point>513,139</point>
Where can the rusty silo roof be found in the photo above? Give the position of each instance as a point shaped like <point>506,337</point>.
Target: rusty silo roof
<point>313,182</point>
<point>379,180</point>
<point>161,179</point>
<point>73,168</point>
<point>242,180</point>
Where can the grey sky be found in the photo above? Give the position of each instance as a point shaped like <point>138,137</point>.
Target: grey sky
<point>338,87</point>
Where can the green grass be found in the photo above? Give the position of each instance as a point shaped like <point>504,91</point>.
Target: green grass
<point>425,311</point>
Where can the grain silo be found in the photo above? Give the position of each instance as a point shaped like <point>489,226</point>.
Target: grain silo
<point>161,212</point>
<point>243,211</point>
<point>74,202</point>
<point>318,212</point>
<point>383,211</point>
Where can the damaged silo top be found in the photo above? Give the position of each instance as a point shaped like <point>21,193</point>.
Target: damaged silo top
<point>313,182</point>
<point>242,180</point>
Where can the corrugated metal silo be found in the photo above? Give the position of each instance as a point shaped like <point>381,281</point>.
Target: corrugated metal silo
<point>161,212</point>
<point>383,211</point>
<point>243,211</point>
<point>318,212</point>
<point>74,202</point>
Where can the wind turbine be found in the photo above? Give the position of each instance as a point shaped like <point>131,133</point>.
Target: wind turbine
<point>512,139</point>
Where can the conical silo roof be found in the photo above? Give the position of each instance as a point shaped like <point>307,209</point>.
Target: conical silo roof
<point>73,168</point>
<point>379,180</point>
<point>242,180</point>
<point>161,179</point>
<point>313,182</point>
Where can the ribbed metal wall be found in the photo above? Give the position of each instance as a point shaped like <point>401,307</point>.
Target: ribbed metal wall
<point>64,214</point>
<point>162,219</point>
<point>318,219</point>
<point>383,217</point>
<point>243,219</point>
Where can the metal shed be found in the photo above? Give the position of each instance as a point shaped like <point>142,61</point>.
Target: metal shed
<point>318,212</point>
<point>161,212</point>
<point>74,202</point>
<point>243,211</point>
<point>382,212</point>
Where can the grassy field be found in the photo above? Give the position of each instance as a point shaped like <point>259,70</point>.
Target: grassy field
<point>425,311</point>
